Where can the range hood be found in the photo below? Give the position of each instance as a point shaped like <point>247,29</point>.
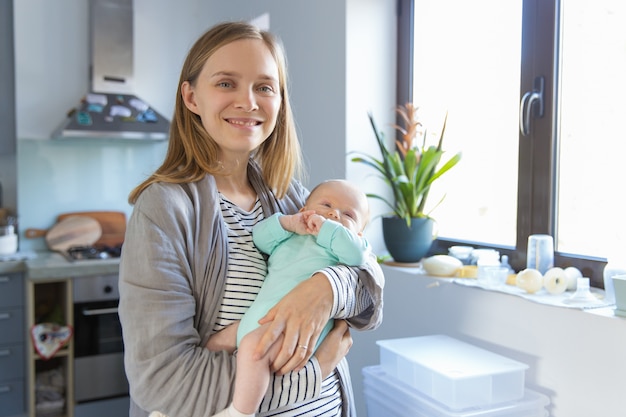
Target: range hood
<point>111,110</point>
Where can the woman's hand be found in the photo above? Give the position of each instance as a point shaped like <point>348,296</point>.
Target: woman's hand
<point>334,347</point>
<point>225,339</point>
<point>300,316</point>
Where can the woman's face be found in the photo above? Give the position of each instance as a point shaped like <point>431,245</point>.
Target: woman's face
<point>237,96</point>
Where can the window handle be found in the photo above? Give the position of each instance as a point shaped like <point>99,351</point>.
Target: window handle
<point>526,105</point>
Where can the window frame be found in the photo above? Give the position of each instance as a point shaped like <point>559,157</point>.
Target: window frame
<point>538,152</point>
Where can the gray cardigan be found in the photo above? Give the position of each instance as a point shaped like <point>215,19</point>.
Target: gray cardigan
<point>172,275</point>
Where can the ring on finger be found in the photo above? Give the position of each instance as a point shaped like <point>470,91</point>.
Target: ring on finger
<point>305,347</point>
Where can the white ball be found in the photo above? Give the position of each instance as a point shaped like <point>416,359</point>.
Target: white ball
<point>555,281</point>
<point>572,273</point>
<point>529,280</point>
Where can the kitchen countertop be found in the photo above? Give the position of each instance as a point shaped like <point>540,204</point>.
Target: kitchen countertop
<point>7,267</point>
<point>51,266</point>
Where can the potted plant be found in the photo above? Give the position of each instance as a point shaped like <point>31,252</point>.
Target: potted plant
<point>409,169</point>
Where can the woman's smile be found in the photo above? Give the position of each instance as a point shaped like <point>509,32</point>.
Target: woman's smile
<point>243,122</point>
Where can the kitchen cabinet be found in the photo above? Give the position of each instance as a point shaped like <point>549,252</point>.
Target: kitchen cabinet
<point>50,290</point>
<point>12,344</point>
<point>45,298</point>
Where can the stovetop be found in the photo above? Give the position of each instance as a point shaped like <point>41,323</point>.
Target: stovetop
<point>94,252</point>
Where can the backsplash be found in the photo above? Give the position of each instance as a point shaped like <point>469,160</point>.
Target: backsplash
<point>58,176</point>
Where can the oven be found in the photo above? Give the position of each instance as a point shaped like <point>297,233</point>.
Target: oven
<point>98,345</point>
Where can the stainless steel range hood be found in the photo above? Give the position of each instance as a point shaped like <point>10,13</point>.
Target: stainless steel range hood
<point>111,110</point>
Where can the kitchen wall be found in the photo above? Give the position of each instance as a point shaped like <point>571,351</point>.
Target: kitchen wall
<point>66,176</point>
<point>333,86</point>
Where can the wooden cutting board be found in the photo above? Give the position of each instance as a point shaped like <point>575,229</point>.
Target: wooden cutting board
<point>73,231</point>
<point>112,224</point>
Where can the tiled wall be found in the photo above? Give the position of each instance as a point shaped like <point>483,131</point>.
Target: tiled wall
<point>55,177</point>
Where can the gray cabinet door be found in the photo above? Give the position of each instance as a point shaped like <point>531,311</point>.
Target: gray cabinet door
<point>12,344</point>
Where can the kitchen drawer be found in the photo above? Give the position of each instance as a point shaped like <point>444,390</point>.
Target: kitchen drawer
<point>12,325</point>
<point>11,362</point>
<point>12,397</point>
<point>11,289</point>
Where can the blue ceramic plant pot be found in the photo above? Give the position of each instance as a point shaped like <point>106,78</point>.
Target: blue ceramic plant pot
<point>408,244</point>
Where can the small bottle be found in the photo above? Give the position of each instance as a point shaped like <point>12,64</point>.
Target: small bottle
<point>504,261</point>
<point>615,266</point>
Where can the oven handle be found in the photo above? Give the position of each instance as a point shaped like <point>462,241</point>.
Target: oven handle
<point>100,311</point>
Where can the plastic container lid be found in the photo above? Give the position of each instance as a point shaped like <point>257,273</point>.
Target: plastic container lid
<point>452,372</point>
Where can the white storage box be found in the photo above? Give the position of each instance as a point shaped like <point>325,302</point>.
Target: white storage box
<point>387,397</point>
<point>455,373</point>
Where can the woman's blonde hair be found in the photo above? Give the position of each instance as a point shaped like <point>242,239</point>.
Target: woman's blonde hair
<point>192,152</point>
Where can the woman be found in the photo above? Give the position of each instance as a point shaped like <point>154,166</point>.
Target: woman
<point>189,268</point>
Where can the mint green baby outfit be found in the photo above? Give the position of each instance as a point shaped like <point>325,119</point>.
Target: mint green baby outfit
<point>294,258</point>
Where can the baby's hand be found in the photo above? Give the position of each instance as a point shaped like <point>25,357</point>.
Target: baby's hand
<point>296,223</point>
<point>314,223</point>
<point>225,339</point>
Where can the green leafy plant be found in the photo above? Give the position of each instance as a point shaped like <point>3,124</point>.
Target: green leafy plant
<point>409,169</point>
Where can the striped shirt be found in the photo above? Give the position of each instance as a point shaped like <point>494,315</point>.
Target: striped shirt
<point>246,265</point>
<point>293,394</point>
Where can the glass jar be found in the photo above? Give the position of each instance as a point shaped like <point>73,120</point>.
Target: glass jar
<point>8,240</point>
<point>614,266</point>
<point>487,259</point>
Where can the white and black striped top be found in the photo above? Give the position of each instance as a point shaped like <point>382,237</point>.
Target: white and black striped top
<point>246,265</point>
<point>246,271</point>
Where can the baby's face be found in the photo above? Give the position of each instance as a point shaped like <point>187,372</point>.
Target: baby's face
<point>341,202</point>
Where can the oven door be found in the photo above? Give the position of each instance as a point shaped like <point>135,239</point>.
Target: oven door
<point>98,350</point>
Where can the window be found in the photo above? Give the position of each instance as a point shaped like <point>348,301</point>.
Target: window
<point>592,136</point>
<point>479,61</point>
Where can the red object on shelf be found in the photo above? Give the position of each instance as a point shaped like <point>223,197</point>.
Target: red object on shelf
<point>49,338</point>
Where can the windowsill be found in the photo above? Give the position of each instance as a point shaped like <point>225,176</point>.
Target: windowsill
<point>598,306</point>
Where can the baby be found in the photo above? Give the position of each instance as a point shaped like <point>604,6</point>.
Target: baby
<point>327,231</point>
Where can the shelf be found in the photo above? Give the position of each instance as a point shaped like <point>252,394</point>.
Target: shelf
<point>60,354</point>
<point>50,301</point>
